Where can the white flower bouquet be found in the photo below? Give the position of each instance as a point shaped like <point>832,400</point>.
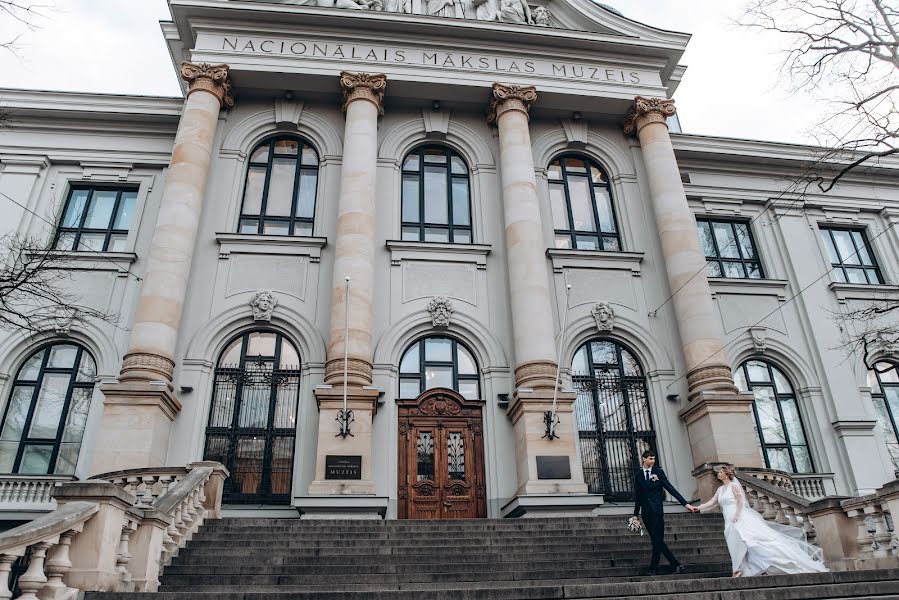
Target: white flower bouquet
<point>634,525</point>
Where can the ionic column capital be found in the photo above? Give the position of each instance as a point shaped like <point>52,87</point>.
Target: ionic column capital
<point>363,86</point>
<point>506,97</point>
<point>646,111</point>
<point>215,79</point>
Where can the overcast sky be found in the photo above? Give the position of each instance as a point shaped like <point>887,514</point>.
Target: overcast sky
<point>731,87</point>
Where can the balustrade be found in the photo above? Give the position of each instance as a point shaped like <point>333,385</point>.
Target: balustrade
<point>154,511</point>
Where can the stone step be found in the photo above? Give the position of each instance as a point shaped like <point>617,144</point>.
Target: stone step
<point>235,557</point>
<point>833,586</point>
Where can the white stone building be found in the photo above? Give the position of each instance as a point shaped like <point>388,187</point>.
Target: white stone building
<point>461,163</point>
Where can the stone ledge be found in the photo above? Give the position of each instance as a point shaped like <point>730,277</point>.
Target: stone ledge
<point>596,259</point>
<point>749,287</point>
<point>341,507</point>
<point>282,245</point>
<point>859,291</point>
<point>437,251</point>
<point>551,505</point>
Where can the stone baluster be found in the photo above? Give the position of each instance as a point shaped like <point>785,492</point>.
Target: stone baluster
<point>6,562</point>
<point>34,577</point>
<point>140,407</point>
<point>123,555</point>
<point>59,564</point>
<point>864,541</point>
<point>881,535</point>
<point>718,418</point>
<point>533,320</point>
<point>354,258</point>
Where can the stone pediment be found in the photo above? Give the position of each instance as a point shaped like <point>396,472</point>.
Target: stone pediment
<point>578,15</point>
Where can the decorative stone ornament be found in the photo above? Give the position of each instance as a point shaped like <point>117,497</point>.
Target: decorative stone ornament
<point>263,304</point>
<point>541,16</point>
<point>506,11</point>
<point>647,110</point>
<point>215,79</point>
<point>604,315</point>
<point>759,338</point>
<point>510,97</point>
<point>363,86</point>
<point>441,310</point>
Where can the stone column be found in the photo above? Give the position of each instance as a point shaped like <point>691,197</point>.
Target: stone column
<point>354,258</point>
<point>719,419</point>
<point>140,406</point>
<point>532,312</point>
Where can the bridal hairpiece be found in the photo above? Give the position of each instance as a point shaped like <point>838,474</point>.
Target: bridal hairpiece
<point>634,525</point>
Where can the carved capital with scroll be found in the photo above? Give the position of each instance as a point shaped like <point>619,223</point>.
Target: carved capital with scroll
<point>510,97</point>
<point>646,111</point>
<point>363,86</point>
<point>215,79</point>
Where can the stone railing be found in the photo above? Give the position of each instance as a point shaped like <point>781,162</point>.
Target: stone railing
<point>28,493</point>
<point>113,533</point>
<point>853,533</point>
<point>811,486</point>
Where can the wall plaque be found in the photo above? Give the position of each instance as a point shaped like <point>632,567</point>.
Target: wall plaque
<point>343,467</point>
<point>553,467</point>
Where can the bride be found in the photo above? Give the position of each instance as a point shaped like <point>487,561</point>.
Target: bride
<point>758,546</point>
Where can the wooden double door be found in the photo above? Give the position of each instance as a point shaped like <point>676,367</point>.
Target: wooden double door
<point>441,457</point>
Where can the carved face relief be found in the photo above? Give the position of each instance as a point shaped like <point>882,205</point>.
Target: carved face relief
<point>263,304</point>
<point>441,310</point>
<point>541,16</point>
<point>604,315</point>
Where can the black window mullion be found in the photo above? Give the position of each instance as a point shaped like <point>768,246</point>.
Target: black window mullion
<point>449,193</point>
<point>35,394</point>
<point>571,232</point>
<point>297,182</point>
<point>780,412</point>
<point>263,203</point>
<point>64,417</point>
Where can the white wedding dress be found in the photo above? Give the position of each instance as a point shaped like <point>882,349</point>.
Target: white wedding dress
<point>758,546</point>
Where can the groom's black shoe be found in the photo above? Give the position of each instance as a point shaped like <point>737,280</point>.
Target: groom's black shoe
<point>679,569</point>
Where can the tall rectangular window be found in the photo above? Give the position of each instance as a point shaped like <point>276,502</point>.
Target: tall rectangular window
<point>850,256</point>
<point>729,249</point>
<point>96,219</point>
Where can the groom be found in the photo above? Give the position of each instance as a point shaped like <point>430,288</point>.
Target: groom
<point>650,484</point>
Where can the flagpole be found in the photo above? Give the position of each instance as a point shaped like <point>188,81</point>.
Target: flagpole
<point>346,353</point>
<point>552,422</point>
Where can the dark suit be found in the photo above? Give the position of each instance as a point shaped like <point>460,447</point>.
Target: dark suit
<point>650,496</point>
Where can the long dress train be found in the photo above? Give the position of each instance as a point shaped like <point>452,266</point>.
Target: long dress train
<point>758,546</point>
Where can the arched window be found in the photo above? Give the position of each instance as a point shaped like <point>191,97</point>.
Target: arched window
<point>438,362</point>
<point>279,195</point>
<point>778,423</point>
<point>47,411</point>
<point>252,421</point>
<point>581,200</point>
<point>613,416</point>
<point>884,382</point>
<point>435,204</point>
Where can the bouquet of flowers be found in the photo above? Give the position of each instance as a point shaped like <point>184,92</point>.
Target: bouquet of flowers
<point>634,525</point>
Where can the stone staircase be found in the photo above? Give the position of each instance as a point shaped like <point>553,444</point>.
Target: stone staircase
<point>289,559</point>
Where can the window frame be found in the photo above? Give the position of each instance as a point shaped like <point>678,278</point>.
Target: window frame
<point>840,267</point>
<point>573,234</point>
<point>423,365</point>
<point>109,230</point>
<point>422,224</point>
<point>743,261</point>
<point>24,439</point>
<point>881,396</point>
<point>262,219</point>
<point>790,444</point>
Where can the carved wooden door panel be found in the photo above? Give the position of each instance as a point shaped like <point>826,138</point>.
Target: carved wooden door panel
<point>441,466</point>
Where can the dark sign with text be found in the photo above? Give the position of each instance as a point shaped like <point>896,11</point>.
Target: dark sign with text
<point>553,467</point>
<point>343,467</point>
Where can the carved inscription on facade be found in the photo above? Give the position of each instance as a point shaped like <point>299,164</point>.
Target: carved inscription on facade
<point>380,56</point>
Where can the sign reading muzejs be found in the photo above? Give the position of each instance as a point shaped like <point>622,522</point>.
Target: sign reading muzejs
<point>343,467</point>
<point>384,57</point>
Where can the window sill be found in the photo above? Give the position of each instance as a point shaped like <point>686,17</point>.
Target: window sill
<point>438,251</point>
<point>864,291</point>
<point>283,245</point>
<point>595,259</point>
<point>119,262</point>
<point>749,287</point>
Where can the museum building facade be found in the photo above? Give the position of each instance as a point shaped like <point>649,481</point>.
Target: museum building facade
<point>353,261</point>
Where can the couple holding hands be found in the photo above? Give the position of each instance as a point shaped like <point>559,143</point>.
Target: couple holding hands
<point>756,546</point>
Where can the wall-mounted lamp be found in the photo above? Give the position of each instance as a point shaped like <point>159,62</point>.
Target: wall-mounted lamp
<point>673,397</point>
<point>186,389</point>
<point>576,116</point>
<point>435,105</point>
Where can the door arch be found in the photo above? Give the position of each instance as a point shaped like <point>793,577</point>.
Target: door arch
<point>252,418</point>
<point>441,457</point>
<point>613,416</point>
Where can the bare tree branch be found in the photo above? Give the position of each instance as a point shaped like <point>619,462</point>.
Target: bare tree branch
<point>27,14</point>
<point>36,289</point>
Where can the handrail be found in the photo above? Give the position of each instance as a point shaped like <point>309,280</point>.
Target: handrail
<point>46,526</point>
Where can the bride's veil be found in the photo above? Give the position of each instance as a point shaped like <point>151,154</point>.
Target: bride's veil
<point>794,536</point>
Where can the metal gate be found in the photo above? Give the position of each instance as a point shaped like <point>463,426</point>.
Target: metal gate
<point>252,422</point>
<point>613,417</point>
